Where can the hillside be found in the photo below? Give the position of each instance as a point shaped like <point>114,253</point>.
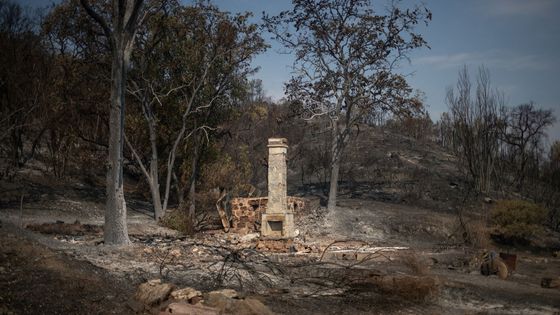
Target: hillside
<point>385,166</point>
<point>396,192</point>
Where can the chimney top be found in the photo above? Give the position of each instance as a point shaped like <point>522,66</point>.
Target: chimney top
<point>277,143</point>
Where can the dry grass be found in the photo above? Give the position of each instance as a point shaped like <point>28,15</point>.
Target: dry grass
<point>417,264</point>
<point>477,234</point>
<point>62,228</point>
<point>420,286</point>
<point>473,233</point>
<point>175,219</point>
<point>411,288</point>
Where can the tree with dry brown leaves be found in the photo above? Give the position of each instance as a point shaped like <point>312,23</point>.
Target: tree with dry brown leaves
<point>346,55</point>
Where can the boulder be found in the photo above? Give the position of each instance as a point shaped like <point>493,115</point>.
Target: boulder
<point>134,305</point>
<point>183,308</point>
<point>153,292</point>
<point>196,300</point>
<point>185,294</point>
<point>228,301</point>
<point>502,269</point>
<point>229,293</point>
<point>249,306</point>
<point>219,301</point>
<point>494,265</point>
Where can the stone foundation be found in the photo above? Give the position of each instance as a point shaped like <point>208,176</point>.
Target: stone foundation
<point>246,213</point>
<point>276,245</point>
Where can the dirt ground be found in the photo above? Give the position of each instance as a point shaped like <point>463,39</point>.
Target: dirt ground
<point>70,273</point>
<point>51,274</point>
<point>35,279</point>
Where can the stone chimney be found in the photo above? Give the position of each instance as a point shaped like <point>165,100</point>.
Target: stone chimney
<point>278,220</point>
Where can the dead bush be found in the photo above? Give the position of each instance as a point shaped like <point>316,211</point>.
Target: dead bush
<point>472,230</point>
<point>206,215</point>
<point>417,265</point>
<point>517,221</point>
<point>476,234</point>
<point>411,288</point>
<point>175,219</point>
<point>61,228</point>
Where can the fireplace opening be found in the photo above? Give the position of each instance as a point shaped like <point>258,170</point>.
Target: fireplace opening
<point>275,228</point>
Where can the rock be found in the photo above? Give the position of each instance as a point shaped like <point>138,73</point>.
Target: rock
<point>218,301</point>
<point>227,302</point>
<point>250,306</point>
<point>502,270</point>
<point>229,293</point>
<point>185,294</point>
<point>134,305</point>
<point>196,300</point>
<point>154,281</point>
<point>493,264</point>
<point>153,292</point>
<point>249,237</point>
<point>183,308</point>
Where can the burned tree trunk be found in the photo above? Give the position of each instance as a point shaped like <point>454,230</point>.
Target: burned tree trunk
<point>125,20</point>
<point>116,231</point>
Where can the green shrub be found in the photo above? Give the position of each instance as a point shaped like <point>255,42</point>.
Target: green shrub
<point>517,220</point>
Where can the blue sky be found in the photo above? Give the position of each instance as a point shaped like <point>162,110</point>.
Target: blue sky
<point>517,40</point>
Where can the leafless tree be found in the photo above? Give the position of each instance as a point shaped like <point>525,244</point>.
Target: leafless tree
<point>476,124</point>
<point>523,133</point>
<point>345,59</point>
<point>445,132</point>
